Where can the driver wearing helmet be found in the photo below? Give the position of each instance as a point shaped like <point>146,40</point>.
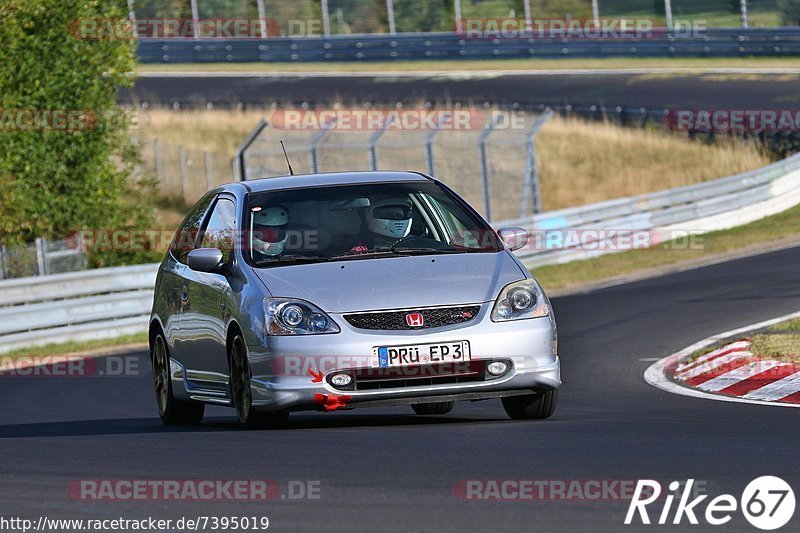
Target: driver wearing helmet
<point>388,220</point>
<point>269,230</point>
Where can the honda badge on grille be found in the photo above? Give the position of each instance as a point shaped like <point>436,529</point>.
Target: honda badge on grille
<point>415,320</point>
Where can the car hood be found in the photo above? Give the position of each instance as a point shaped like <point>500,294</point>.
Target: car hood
<point>396,282</point>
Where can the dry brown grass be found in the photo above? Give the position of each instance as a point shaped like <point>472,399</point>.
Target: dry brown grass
<point>580,162</point>
<point>588,162</point>
<point>212,130</point>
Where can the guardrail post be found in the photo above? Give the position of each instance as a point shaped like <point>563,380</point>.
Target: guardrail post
<point>390,14</point>
<point>132,17</point>
<point>262,18</point>
<point>209,175</point>
<point>239,169</point>
<point>326,19</point>
<point>429,161</point>
<point>373,144</point>
<point>3,274</point>
<point>668,10</point>
<point>184,172</point>
<point>743,4</point>
<point>82,251</point>
<point>195,19</point>
<point>315,140</point>
<point>41,264</point>
<point>531,186</point>
<point>159,163</point>
<point>487,194</point>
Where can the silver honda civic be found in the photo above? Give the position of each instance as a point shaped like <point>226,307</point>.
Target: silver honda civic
<point>343,290</point>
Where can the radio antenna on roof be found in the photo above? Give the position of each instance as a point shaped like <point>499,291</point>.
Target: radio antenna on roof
<point>291,172</point>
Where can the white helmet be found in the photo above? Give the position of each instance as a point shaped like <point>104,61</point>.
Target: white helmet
<point>269,230</point>
<point>390,217</point>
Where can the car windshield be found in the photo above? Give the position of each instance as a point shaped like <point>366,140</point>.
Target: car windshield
<point>351,222</point>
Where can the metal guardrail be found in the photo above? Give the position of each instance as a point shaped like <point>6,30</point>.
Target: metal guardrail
<point>77,306</point>
<point>116,301</point>
<point>688,210</point>
<point>719,42</point>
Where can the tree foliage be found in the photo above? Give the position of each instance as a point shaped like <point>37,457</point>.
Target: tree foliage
<point>56,179</point>
<point>790,12</point>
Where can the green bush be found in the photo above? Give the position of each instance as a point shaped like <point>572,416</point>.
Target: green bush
<point>57,178</point>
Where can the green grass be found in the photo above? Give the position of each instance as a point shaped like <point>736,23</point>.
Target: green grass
<point>777,346</point>
<point>790,325</point>
<point>69,348</point>
<point>781,342</point>
<point>770,229</point>
<point>481,65</point>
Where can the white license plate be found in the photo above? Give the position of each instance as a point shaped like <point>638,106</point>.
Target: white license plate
<point>422,354</point>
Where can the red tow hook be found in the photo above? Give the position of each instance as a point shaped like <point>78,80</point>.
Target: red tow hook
<point>332,402</point>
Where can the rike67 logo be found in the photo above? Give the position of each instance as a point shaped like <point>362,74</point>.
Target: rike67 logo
<point>767,503</point>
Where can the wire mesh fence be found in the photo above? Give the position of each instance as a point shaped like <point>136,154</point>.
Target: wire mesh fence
<point>183,173</point>
<point>42,257</point>
<point>493,166</point>
<point>345,17</point>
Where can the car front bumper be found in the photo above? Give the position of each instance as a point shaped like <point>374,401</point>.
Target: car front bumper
<point>290,372</point>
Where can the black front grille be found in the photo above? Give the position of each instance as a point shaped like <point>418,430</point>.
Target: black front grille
<point>396,320</point>
<point>419,376</point>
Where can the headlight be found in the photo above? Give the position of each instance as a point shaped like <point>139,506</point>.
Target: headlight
<point>286,316</point>
<point>519,300</point>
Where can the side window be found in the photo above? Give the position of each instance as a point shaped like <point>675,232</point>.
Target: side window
<point>220,231</point>
<point>185,237</point>
<point>459,235</point>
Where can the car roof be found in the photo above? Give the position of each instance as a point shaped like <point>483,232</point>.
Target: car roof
<point>329,178</point>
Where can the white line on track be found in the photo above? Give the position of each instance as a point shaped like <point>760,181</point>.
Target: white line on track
<point>461,74</point>
<point>656,376</point>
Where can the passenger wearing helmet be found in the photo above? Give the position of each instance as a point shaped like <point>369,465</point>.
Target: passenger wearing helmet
<point>269,230</point>
<point>388,220</point>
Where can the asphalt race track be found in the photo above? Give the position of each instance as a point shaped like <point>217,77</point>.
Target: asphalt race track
<point>692,91</point>
<point>389,469</point>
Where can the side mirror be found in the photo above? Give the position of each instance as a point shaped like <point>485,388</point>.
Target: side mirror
<point>205,260</point>
<point>514,238</point>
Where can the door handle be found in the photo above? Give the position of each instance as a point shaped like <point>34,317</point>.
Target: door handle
<point>184,293</point>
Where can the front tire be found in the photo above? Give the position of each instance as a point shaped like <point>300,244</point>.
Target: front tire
<point>438,408</point>
<point>171,411</point>
<point>242,395</point>
<point>532,406</point>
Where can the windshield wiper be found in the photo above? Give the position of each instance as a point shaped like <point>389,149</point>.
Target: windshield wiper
<point>421,250</point>
<point>291,259</point>
<point>383,252</point>
<point>394,252</point>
